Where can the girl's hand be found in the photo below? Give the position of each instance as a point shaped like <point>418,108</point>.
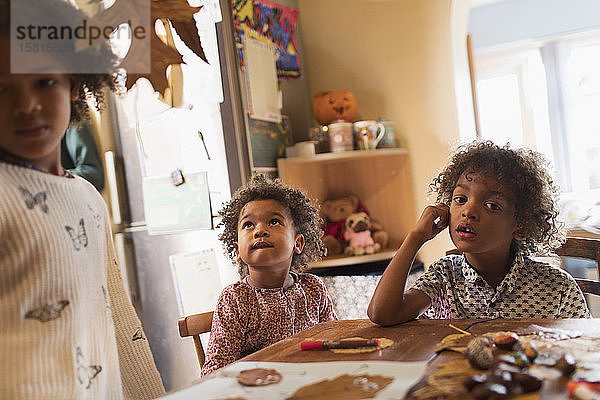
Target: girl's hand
<point>433,220</point>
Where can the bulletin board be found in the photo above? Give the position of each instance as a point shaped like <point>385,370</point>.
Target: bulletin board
<point>268,141</point>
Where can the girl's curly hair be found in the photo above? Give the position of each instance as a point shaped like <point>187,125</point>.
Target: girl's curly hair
<point>524,176</point>
<point>303,211</point>
<point>91,85</point>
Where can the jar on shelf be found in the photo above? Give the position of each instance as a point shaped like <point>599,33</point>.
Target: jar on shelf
<point>388,140</point>
<point>320,136</point>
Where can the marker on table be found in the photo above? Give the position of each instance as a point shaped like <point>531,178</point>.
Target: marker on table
<point>338,344</point>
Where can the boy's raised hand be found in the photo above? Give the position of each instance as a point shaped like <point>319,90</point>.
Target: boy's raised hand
<point>433,220</point>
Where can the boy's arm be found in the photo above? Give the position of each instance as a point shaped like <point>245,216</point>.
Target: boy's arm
<point>390,304</point>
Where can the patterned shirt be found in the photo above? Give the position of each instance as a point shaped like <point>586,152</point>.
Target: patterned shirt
<point>531,289</point>
<point>248,319</point>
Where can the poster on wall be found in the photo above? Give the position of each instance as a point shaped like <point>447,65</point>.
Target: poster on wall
<point>270,23</point>
<point>268,141</point>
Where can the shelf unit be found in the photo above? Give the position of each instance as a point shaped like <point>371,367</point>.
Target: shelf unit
<point>381,179</point>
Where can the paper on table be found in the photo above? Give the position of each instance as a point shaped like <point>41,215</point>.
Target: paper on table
<point>297,375</point>
<point>261,76</point>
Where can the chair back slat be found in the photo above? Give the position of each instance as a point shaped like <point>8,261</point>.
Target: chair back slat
<point>195,325</point>
<point>588,249</point>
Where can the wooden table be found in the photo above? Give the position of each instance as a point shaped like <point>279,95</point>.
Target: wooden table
<point>413,341</point>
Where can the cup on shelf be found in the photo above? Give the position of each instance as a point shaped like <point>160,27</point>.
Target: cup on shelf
<point>368,134</point>
<point>340,136</point>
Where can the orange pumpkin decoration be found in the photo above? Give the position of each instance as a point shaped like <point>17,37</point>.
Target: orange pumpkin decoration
<point>329,106</point>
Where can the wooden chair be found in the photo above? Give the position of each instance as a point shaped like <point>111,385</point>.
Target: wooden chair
<point>588,249</point>
<point>194,325</point>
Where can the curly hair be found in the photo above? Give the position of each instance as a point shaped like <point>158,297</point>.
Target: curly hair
<point>91,85</point>
<point>303,210</point>
<point>523,175</point>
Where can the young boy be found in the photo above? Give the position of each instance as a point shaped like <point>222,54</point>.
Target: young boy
<point>68,328</point>
<point>499,205</point>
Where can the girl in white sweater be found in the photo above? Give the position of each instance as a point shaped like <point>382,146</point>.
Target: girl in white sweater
<point>68,329</point>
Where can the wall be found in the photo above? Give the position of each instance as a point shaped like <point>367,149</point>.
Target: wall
<point>397,57</point>
<point>296,98</point>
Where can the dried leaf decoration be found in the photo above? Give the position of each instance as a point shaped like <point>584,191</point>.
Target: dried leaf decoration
<point>161,55</point>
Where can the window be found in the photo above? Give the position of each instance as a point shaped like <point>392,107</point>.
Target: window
<point>546,96</point>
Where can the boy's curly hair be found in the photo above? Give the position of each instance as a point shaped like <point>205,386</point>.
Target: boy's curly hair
<point>91,86</point>
<point>524,175</point>
<point>303,211</point>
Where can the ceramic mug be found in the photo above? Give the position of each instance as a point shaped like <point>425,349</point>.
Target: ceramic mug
<point>340,136</point>
<point>368,134</point>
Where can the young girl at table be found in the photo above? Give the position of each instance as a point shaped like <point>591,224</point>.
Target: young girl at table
<point>269,228</point>
<point>500,207</point>
<point>68,328</point>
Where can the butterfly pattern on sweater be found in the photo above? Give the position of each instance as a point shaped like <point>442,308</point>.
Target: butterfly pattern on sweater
<point>95,216</point>
<point>85,373</point>
<point>31,200</point>
<point>138,335</point>
<point>48,312</point>
<point>78,237</point>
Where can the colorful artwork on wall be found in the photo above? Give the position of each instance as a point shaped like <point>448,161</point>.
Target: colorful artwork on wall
<point>273,24</point>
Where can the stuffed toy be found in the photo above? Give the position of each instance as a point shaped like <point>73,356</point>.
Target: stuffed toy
<point>334,105</point>
<point>358,235</point>
<point>335,212</point>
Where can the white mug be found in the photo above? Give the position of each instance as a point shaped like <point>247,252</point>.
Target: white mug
<point>368,134</point>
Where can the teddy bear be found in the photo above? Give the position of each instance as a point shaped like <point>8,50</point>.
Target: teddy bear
<point>335,212</point>
<point>358,235</point>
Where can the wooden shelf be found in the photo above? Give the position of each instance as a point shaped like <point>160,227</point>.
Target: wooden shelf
<point>344,261</point>
<point>382,180</point>
<point>341,156</point>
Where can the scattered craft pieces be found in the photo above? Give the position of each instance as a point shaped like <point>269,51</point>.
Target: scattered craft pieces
<point>525,365</point>
<point>458,329</point>
<point>453,342</point>
<point>383,343</point>
<point>480,352</point>
<point>347,387</point>
<point>258,377</point>
<point>549,333</point>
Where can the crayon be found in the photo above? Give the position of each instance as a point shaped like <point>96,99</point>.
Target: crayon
<point>338,344</point>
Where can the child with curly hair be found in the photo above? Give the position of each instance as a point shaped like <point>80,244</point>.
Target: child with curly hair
<point>68,328</point>
<point>269,228</point>
<point>500,207</point>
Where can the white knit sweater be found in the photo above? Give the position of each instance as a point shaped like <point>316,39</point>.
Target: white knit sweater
<point>67,328</point>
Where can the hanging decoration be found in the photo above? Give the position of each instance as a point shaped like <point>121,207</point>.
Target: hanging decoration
<point>177,12</point>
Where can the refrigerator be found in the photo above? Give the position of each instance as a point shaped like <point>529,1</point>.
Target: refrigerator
<point>204,140</point>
